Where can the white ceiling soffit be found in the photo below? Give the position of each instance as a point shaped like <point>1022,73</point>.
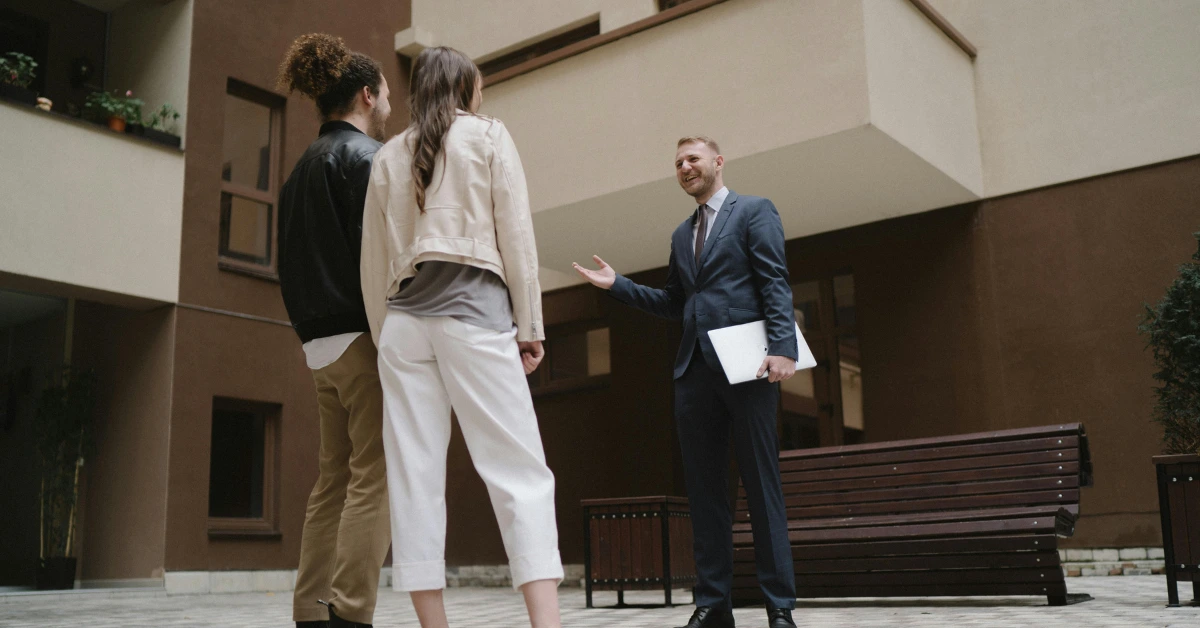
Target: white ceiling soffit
<point>845,179</point>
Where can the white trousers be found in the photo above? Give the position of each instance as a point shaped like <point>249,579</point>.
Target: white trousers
<point>426,366</point>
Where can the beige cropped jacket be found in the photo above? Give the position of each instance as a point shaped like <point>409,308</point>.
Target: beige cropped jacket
<point>476,213</point>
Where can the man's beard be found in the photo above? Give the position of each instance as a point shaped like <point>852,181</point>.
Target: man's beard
<point>377,125</point>
<point>709,179</point>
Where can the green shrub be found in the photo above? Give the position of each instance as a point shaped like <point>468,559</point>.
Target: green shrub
<point>17,69</point>
<point>1173,327</point>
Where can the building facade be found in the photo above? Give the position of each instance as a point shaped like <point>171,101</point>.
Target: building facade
<point>154,266</point>
<point>979,198</point>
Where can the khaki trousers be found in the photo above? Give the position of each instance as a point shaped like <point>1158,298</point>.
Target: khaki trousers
<point>346,528</point>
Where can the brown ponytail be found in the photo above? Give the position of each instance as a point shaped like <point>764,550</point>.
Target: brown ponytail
<point>443,79</point>
<point>321,67</point>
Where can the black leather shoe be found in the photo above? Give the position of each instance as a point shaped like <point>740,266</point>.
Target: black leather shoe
<point>709,617</point>
<point>780,618</point>
<point>338,622</point>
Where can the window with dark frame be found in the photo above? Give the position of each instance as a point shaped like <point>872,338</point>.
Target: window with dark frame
<point>243,467</point>
<point>543,47</point>
<point>251,152</point>
<point>663,5</point>
<point>578,355</point>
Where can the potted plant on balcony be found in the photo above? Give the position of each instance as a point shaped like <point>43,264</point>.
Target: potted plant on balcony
<point>161,125</point>
<point>16,73</point>
<point>63,440</point>
<point>1173,328</point>
<point>114,109</point>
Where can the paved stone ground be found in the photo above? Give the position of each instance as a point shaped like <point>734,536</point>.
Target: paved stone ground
<point>1128,601</point>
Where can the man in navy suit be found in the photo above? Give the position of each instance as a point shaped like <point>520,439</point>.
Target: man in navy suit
<point>727,267</point>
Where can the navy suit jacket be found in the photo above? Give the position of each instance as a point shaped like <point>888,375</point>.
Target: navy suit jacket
<point>741,277</point>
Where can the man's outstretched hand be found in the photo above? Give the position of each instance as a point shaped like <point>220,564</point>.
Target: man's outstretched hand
<point>778,368</point>
<point>602,278</point>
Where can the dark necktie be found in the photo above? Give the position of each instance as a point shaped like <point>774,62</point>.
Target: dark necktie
<point>701,232</point>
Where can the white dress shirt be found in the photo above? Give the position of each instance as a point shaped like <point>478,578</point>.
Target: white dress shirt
<point>711,208</point>
<point>321,352</point>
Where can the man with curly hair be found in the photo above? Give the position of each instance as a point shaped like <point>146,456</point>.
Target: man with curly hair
<point>346,528</point>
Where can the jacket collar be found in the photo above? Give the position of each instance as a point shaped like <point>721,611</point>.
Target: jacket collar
<point>338,125</point>
<point>687,242</point>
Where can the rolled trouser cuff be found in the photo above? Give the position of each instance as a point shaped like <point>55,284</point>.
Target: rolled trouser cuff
<point>426,576</point>
<point>533,567</point>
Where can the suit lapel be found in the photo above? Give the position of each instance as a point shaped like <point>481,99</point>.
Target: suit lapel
<point>686,248</point>
<point>718,226</point>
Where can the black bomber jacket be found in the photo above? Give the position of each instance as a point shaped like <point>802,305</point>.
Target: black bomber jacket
<point>320,233</point>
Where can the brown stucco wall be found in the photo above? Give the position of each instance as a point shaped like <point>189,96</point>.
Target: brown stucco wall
<point>218,355</point>
<point>1023,311</point>
<point>1071,269</point>
<point>1012,312</point>
<point>246,41</point>
<point>123,513</point>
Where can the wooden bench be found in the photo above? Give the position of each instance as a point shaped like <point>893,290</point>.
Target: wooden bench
<point>975,514</point>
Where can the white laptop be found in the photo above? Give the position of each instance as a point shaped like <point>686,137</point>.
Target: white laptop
<point>742,349</point>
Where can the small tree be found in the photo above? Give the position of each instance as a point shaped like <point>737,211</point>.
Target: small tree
<point>63,433</point>
<point>1173,327</point>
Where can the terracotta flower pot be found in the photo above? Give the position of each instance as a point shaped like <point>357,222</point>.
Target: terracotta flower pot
<point>116,123</point>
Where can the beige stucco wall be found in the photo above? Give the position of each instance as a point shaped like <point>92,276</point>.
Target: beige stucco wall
<point>125,499</point>
<point>150,52</point>
<point>1062,89</point>
<point>1068,89</point>
<point>85,206</point>
<point>484,28</point>
<point>921,87</point>
<point>805,116</point>
<point>608,119</point>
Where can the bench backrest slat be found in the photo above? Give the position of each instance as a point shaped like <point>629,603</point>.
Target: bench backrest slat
<point>1063,497</point>
<point>1029,467</point>
<point>981,450</point>
<point>934,442</point>
<point>934,466</point>
<point>922,492</point>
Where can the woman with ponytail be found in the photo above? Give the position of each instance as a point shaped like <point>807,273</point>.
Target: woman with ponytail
<point>450,280</point>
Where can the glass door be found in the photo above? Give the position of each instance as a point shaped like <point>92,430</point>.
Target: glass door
<point>822,406</point>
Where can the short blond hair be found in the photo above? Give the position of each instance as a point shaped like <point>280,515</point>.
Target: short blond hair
<point>702,139</point>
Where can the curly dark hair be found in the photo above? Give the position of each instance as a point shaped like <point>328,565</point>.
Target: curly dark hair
<point>321,67</point>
